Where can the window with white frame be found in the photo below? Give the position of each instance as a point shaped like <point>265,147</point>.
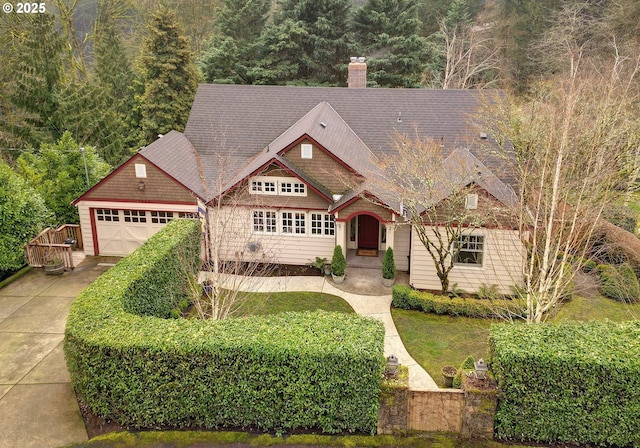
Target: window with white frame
<point>469,250</point>
<point>285,186</point>
<point>135,216</point>
<point>270,222</point>
<point>329,225</point>
<point>258,221</point>
<point>161,217</point>
<point>306,151</point>
<point>322,224</point>
<point>287,222</point>
<point>107,215</point>
<point>265,221</point>
<point>300,226</point>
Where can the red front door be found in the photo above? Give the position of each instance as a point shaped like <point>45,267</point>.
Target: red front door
<point>367,232</point>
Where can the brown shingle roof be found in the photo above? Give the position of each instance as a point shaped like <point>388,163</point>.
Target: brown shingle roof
<point>174,154</point>
<point>230,126</point>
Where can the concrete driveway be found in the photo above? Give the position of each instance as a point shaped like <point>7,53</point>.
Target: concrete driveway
<point>37,403</point>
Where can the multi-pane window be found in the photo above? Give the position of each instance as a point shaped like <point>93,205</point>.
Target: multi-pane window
<point>322,224</point>
<point>135,216</point>
<point>270,222</point>
<point>469,250</point>
<point>300,223</point>
<point>161,217</point>
<point>286,186</point>
<point>316,224</point>
<point>258,221</point>
<point>107,215</point>
<point>329,225</point>
<point>269,187</point>
<point>287,222</point>
<point>188,215</point>
<point>293,223</point>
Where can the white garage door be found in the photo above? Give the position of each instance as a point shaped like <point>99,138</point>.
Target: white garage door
<point>120,232</point>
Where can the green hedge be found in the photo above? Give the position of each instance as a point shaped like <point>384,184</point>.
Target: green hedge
<point>289,371</point>
<point>410,299</point>
<point>568,383</point>
<point>156,273</point>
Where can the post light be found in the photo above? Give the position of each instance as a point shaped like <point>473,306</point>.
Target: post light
<point>481,369</point>
<point>392,365</point>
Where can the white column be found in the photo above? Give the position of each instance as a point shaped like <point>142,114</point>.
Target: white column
<point>341,235</point>
<point>390,226</point>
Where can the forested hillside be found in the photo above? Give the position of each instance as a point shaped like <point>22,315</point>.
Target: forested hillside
<point>111,75</point>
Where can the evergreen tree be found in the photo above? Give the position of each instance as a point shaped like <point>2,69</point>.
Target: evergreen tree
<point>35,58</point>
<point>231,51</point>
<point>23,215</point>
<point>387,32</point>
<point>169,75</point>
<point>320,30</point>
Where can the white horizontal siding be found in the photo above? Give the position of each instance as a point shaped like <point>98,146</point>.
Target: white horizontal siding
<point>85,228</point>
<point>401,247</point>
<point>502,264</point>
<point>232,233</point>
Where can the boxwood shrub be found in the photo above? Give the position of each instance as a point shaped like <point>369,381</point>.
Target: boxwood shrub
<point>410,299</point>
<point>572,383</point>
<point>315,370</point>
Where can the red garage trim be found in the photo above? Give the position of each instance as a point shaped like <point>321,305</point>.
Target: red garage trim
<point>94,231</point>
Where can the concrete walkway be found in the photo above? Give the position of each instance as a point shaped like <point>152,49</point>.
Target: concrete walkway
<point>38,407</point>
<point>376,306</point>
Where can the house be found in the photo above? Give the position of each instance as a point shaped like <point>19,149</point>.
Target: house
<point>290,172</point>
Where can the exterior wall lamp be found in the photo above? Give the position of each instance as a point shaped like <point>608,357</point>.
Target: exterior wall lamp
<point>141,186</point>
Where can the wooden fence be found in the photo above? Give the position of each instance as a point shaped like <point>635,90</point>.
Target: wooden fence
<point>55,244</point>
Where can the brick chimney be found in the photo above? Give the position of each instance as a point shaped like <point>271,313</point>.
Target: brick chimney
<point>357,73</point>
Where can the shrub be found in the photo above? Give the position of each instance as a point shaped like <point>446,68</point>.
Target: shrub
<point>466,366</point>
<point>619,282</point>
<point>288,371</point>
<point>406,298</point>
<point>338,263</point>
<point>571,383</point>
<point>388,264</point>
<point>621,216</point>
<point>490,292</point>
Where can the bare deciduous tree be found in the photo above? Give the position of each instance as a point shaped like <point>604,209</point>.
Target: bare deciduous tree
<point>432,188</point>
<point>235,256</point>
<point>572,141</point>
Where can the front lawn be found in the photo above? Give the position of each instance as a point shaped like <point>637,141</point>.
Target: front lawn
<point>278,302</point>
<point>435,341</point>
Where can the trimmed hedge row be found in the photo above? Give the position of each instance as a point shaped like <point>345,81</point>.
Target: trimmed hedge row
<point>311,370</point>
<point>410,299</point>
<point>570,383</point>
<point>156,274</point>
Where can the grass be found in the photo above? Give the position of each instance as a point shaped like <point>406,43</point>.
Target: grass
<point>184,439</point>
<point>435,341</point>
<point>274,303</point>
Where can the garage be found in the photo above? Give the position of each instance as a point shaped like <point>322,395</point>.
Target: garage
<point>120,232</point>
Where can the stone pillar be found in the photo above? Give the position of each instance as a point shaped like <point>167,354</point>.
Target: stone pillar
<point>480,403</point>
<point>394,401</point>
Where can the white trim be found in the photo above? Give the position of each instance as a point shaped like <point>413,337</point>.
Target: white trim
<point>306,151</point>
<point>483,251</point>
<point>141,171</point>
<point>257,185</point>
